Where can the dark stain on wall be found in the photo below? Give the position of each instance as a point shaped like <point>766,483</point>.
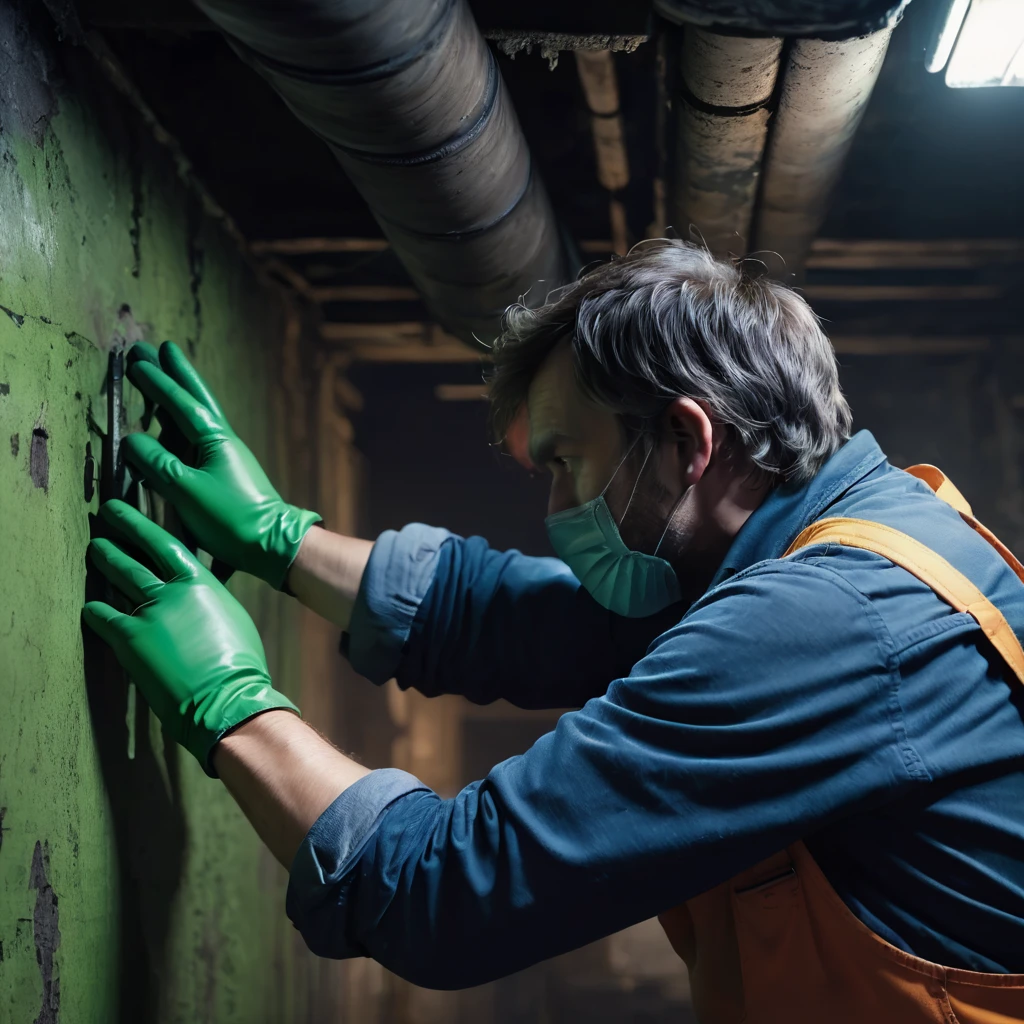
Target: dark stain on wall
<point>148,823</point>
<point>5,389</point>
<point>135,224</point>
<point>128,330</point>
<point>39,459</point>
<point>46,931</point>
<point>15,444</point>
<point>90,472</point>
<point>25,70</point>
<point>16,317</point>
<point>196,256</point>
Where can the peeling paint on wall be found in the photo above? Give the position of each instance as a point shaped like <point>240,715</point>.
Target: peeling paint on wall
<point>29,101</point>
<point>46,933</point>
<point>117,876</point>
<point>18,319</point>
<point>39,459</point>
<point>196,256</point>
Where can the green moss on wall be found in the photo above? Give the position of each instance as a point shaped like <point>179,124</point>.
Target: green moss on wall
<point>131,888</point>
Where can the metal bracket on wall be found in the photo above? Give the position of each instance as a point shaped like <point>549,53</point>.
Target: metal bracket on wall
<point>112,482</point>
<point>112,486</point>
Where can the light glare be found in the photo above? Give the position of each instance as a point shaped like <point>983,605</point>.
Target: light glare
<point>990,47</point>
<point>947,37</point>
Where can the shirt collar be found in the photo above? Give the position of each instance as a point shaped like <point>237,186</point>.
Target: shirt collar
<point>788,509</point>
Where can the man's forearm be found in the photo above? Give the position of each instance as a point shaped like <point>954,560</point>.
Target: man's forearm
<point>283,775</point>
<point>327,572</point>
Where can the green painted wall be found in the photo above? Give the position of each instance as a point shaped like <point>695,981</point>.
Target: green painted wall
<point>131,888</point>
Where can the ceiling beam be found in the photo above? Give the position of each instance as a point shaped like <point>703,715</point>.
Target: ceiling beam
<point>909,345</point>
<point>899,293</point>
<point>413,342</point>
<point>815,292</point>
<point>364,293</point>
<point>403,342</point>
<point>943,253</point>
<point>826,253</point>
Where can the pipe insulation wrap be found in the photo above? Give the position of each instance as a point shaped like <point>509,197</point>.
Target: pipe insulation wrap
<point>726,83</point>
<point>409,98</point>
<point>821,19</point>
<point>825,90</point>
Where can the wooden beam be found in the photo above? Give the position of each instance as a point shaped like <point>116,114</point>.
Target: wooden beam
<point>908,345</point>
<point>310,246</point>
<point>818,292</point>
<point>461,392</point>
<point>414,342</point>
<point>850,345</point>
<point>364,293</point>
<point>290,276</point>
<point>457,352</point>
<point>388,332</point>
<point>405,342</point>
<point>898,293</point>
<point>826,253</point>
<point>417,342</point>
<point>949,253</point>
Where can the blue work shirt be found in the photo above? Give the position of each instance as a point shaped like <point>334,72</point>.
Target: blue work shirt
<point>829,697</point>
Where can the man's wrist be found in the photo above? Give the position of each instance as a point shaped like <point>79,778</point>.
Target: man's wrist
<point>307,546</point>
<point>283,775</point>
<point>283,542</point>
<point>258,734</point>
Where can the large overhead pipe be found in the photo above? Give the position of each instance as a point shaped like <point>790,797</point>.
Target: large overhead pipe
<point>409,98</point>
<point>728,67</point>
<point>825,90</point>
<point>721,125</point>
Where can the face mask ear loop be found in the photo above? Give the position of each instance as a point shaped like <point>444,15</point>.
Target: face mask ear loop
<point>671,516</point>
<point>629,451</point>
<point>636,484</point>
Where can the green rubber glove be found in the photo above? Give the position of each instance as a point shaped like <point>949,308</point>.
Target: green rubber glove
<point>226,500</point>
<point>189,645</point>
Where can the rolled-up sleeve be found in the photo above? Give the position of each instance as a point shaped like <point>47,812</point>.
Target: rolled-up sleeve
<point>397,577</point>
<point>316,886</point>
<point>764,715</point>
<point>447,614</point>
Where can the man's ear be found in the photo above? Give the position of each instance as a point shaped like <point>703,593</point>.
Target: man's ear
<point>687,423</point>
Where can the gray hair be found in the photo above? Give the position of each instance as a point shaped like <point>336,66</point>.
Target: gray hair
<point>669,320</point>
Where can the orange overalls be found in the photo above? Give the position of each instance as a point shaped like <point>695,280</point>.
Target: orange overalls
<point>776,944</point>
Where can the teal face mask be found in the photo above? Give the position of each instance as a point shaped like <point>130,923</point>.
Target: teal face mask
<point>626,582</point>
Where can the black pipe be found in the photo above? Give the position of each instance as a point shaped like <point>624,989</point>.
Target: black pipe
<point>409,98</point>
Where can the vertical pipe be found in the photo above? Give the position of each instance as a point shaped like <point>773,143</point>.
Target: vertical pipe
<point>597,76</point>
<point>721,125</point>
<point>825,90</point>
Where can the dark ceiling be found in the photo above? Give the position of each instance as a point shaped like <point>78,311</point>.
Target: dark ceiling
<point>929,162</point>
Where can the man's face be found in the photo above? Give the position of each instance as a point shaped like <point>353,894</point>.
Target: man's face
<point>585,449</point>
<point>576,441</point>
<point>672,495</point>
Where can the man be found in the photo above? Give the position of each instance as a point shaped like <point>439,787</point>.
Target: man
<point>818,753</point>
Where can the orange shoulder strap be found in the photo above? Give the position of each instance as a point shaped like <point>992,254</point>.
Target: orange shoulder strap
<point>931,569</point>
